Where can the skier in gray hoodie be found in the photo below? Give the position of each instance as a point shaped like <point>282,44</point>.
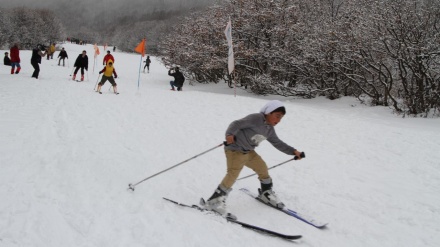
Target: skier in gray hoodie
<point>242,137</point>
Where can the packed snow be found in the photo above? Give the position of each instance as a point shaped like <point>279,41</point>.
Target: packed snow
<point>68,154</point>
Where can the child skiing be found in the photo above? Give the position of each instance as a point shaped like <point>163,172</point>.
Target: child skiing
<point>242,137</point>
<point>108,71</point>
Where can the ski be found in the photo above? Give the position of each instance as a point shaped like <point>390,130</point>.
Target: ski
<point>235,221</point>
<point>290,212</point>
<point>101,93</point>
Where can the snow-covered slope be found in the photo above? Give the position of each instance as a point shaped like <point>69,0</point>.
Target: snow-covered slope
<point>67,155</point>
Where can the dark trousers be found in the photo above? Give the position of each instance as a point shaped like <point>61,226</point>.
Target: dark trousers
<point>36,69</point>
<point>173,84</point>
<point>107,78</point>
<point>59,61</point>
<point>77,68</point>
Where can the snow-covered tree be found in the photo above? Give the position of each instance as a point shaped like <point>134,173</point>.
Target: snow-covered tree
<point>52,28</point>
<point>395,59</point>
<point>29,27</point>
<point>386,51</point>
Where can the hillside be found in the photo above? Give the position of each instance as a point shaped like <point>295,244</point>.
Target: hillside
<point>68,154</point>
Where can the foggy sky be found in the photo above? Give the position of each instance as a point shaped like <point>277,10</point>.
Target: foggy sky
<point>93,13</point>
<point>111,4</point>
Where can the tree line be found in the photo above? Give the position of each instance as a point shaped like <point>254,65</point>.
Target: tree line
<point>382,52</point>
<point>29,27</point>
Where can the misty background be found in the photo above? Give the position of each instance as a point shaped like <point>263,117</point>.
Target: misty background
<point>102,21</point>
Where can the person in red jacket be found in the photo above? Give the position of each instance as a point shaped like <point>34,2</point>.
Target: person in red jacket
<point>15,59</point>
<point>108,71</point>
<point>107,58</point>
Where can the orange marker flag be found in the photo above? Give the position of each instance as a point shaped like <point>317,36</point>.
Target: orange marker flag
<point>141,47</point>
<point>96,50</point>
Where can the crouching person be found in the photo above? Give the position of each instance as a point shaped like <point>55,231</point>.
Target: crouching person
<point>108,71</point>
<point>179,79</point>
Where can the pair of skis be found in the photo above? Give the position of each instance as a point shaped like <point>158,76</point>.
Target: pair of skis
<point>235,221</point>
<point>231,218</point>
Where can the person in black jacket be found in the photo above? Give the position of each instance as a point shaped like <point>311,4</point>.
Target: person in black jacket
<point>147,64</point>
<point>179,79</point>
<point>81,62</point>
<point>62,56</point>
<point>7,60</point>
<point>37,53</point>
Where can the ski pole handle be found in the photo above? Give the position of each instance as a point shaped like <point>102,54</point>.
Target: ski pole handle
<point>303,155</point>
<point>226,143</point>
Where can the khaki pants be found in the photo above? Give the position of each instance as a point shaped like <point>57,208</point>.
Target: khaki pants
<point>236,160</point>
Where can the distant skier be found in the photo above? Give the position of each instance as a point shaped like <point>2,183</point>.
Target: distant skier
<point>62,56</point>
<point>37,54</point>
<point>7,60</point>
<point>82,62</point>
<point>147,64</point>
<point>107,58</point>
<point>179,79</point>
<point>50,51</point>
<point>15,58</point>
<point>108,71</point>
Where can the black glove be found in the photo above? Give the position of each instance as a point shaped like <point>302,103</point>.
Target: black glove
<point>100,72</point>
<point>116,76</point>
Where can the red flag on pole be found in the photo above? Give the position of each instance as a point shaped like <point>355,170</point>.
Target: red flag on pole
<point>141,47</point>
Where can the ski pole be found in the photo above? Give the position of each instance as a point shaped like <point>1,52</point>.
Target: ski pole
<point>131,186</point>
<point>303,155</point>
<point>72,71</point>
<point>96,83</point>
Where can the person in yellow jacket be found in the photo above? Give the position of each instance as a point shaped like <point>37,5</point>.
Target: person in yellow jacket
<point>52,50</point>
<point>108,71</point>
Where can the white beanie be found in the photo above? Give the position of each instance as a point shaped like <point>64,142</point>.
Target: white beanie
<point>271,106</point>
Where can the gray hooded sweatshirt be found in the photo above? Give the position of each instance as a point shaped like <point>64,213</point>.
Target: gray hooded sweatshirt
<point>251,131</point>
